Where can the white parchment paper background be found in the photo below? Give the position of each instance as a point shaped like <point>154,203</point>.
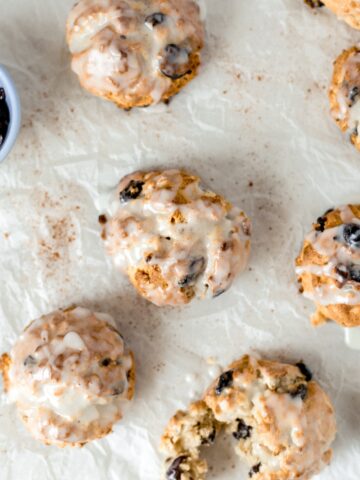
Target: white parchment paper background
<point>256,115</point>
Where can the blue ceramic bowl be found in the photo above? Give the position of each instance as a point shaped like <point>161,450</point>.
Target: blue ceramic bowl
<point>13,102</point>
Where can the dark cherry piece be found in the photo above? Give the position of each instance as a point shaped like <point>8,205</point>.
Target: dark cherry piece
<point>351,234</point>
<point>301,392</point>
<point>196,268</point>
<point>314,3</point>
<point>321,221</point>
<point>171,64</point>
<point>354,273</point>
<point>225,381</point>
<point>354,92</point>
<point>155,19</point>
<point>105,362</point>
<point>219,292</point>
<point>350,273</point>
<point>210,439</point>
<point>243,431</point>
<point>174,472</point>
<point>132,191</point>
<point>255,469</point>
<point>29,361</point>
<point>305,371</point>
<point>320,227</point>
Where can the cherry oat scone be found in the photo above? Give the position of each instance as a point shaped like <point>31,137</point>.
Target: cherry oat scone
<point>344,94</point>
<point>281,421</point>
<point>174,238</point>
<point>328,266</point>
<point>135,52</point>
<point>70,376</point>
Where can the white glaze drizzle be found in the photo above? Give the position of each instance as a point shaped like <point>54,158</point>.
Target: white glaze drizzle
<point>116,53</point>
<point>329,244</point>
<point>55,371</point>
<point>351,112</point>
<point>142,227</point>
<point>283,414</point>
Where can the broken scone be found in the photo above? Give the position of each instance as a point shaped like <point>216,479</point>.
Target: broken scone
<point>281,421</point>
<point>70,376</point>
<point>176,239</point>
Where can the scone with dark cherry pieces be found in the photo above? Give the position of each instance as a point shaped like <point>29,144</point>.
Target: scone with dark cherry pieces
<point>281,421</point>
<point>70,375</point>
<point>176,239</point>
<point>135,52</point>
<point>344,94</point>
<point>328,266</point>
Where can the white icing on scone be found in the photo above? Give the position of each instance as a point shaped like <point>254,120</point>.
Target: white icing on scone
<point>340,247</point>
<point>132,50</point>
<point>69,376</point>
<point>349,93</point>
<point>176,239</point>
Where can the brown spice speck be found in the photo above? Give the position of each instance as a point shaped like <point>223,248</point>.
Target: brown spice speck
<point>55,245</point>
<point>102,219</point>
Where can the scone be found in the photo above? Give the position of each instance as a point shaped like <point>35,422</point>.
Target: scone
<point>344,94</point>
<point>281,421</point>
<point>135,52</point>
<point>174,238</point>
<point>70,376</point>
<point>328,267</point>
<point>347,10</point>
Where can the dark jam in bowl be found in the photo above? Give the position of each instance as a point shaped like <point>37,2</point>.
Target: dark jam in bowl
<point>4,116</point>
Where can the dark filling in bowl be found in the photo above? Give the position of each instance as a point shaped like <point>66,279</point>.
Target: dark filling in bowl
<point>4,116</point>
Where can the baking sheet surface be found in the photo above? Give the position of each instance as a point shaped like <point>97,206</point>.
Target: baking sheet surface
<point>255,126</point>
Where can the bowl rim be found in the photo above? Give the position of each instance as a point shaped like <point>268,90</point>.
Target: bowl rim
<point>14,105</point>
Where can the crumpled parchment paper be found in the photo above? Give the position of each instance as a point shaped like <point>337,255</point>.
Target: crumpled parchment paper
<point>255,126</point>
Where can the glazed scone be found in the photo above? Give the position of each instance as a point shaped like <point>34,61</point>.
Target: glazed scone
<point>135,52</point>
<point>344,94</point>
<point>174,238</point>
<point>328,267</point>
<point>346,10</point>
<point>281,421</point>
<point>70,376</point>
